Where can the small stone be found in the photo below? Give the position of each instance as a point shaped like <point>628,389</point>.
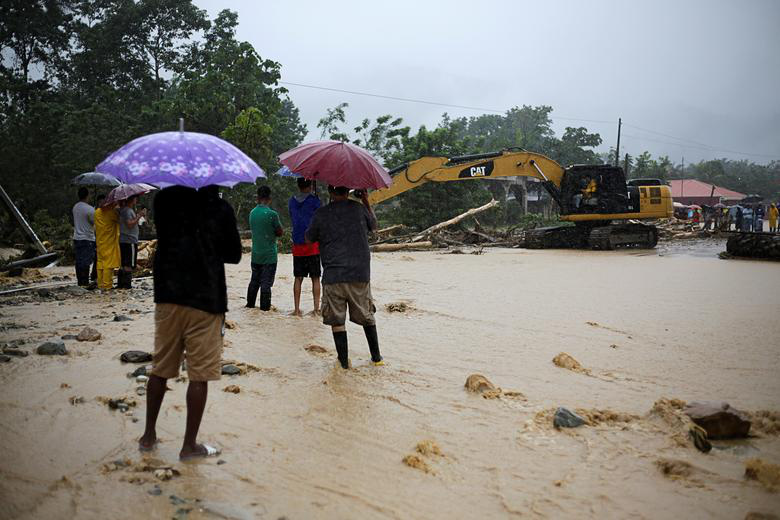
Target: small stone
<point>565,418</point>
<point>231,325</point>
<point>230,370</point>
<point>15,352</point>
<point>76,400</point>
<point>719,419</point>
<point>155,491</point>
<point>52,348</point>
<point>233,389</point>
<point>141,379</point>
<point>221,462</point>
<point>141,390</point>
<point>122,317</point>
<point>69,337</point>
<point>88,334</point>
<point>75,290</point>
<point>140,371</point>
<point>163,474</point>
<point>4,358</point>
<point>44,293</point>
<point>135,356</point>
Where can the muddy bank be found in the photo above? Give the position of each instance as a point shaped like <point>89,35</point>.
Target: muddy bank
<point>303,439</point>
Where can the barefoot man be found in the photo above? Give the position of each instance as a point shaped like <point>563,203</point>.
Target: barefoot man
<point>196,236</point>
<point>306,257</point>
<point>341,228</point>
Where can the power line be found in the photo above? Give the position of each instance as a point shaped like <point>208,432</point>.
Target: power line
<point>435,103</point>
<point>692,144</point>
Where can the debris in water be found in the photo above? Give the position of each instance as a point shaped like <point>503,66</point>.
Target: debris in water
<point>233,389</point>
<point>398,307</point>
<point>428,448</point>
<point>230,324</point>
<point>564,360</point>
<point>417,462</point>
<point>76,400</point>
<point>315,349</point>
<point>765,473</point>
<point>479,384</point>
<point>719,419</point>
<point>684,430</point>
<point>674,469</point>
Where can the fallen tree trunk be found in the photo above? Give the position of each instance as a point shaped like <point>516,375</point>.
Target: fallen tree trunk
<point>389,248</point>
<point>389,229</point>
<point>454,220</point>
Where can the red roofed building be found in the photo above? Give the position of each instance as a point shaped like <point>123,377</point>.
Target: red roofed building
<point>692,191</point>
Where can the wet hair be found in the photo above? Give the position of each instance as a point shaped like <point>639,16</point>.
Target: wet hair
<point>303,183</point>
<point>263,192</point>
<point>83,193</point>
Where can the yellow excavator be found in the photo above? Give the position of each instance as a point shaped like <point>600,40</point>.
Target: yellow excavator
<point>596,198</point>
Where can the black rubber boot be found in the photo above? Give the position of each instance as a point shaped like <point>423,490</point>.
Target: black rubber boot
<point>340,339</point>
<point>373,343</point>
<point>82,276</point>
<point>251,296</point>
<point>123,279</point>
<point>265,300</point>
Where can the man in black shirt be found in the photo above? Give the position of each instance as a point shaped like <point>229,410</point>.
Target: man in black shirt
<point>196,236</point>
<point>342,229</point>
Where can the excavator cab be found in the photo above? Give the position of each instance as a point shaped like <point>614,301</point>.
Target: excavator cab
<point>594,189</point>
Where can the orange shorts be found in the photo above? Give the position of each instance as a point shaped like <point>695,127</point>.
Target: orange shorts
<point>179,329</point>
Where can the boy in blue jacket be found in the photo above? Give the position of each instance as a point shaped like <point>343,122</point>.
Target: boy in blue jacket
<point>306,257</point>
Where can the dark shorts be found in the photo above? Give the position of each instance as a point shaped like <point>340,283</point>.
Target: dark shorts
<point>129,253</point>
<point>307,266</point>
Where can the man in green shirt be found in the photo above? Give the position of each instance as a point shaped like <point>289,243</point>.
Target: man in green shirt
<point>266,228</point>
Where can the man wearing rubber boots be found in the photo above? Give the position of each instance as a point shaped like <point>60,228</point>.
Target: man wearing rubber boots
<point>342,228</point>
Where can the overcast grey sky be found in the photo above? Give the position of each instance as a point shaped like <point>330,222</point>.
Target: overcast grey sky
<point>707,72</point>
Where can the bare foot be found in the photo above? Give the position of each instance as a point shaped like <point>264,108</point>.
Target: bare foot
<point>199,450</point>
<point>147,443</point>
<point>297,313</point>
<point>315,312</point>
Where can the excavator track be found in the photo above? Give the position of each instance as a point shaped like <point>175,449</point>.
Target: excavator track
<point>557,237</point>
<point>607,238</point>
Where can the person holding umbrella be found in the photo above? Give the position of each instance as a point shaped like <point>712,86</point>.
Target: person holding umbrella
<point>341,228</point>
<point>107,242</point>
<point>196,236</point>
<point>128,240</point>
<point>84,238</point>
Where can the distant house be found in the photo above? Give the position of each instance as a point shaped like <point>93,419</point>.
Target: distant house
<point>692,191</point>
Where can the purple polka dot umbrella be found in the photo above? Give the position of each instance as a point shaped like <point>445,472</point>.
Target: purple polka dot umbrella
<point>181,159</point>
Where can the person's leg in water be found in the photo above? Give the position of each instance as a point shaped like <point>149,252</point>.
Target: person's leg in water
<point>266,282</point>
<point>297,295</point>
<point>342,349</point>
<point>373,344</point>
<point>254,286</point>
<point>316,289</point>
<point>155,392</point>
<point>197,393</point>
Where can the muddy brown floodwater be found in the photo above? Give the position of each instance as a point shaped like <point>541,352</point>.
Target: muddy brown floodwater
<point>304,439</point>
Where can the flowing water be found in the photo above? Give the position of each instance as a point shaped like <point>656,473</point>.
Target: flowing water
<point>304,439</point>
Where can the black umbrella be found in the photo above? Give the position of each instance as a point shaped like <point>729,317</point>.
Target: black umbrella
<point>95,179</point>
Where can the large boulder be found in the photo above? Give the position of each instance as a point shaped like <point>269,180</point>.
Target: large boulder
<point>52,348</point>
<point>565,418</point>
<point>719,419</point>
<point>88,334</point>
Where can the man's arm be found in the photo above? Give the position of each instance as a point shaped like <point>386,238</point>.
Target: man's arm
<point>370,217</point>
<point>130,222</point>
<point>278,229</point>
<point>230,241</point>
<point>312,234</point>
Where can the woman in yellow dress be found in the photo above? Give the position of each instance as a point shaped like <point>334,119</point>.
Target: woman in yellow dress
<point>107,241</point>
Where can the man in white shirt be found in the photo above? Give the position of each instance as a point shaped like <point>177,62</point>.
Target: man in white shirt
<point>84,238</point>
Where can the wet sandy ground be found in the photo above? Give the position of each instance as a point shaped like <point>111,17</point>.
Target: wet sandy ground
<point>304,439</point>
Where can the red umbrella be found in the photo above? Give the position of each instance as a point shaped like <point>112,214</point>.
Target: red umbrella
<point>125,191</point>
<point>338,164</point>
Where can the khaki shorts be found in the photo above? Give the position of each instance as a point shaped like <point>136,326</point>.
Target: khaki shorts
<point>179,329</point>
<point>337,297</point>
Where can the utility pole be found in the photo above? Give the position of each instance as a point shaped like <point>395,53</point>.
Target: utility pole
<point>617,150</point>
<point>625,166</point>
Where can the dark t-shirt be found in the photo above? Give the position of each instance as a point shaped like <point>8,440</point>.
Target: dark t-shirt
<point>196,236</point>
<point>342,229</point>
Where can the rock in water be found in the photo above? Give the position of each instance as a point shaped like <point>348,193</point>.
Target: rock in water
<point>15,352</point>
<point>564,360</point>
<point>719,419</point>
<point>140,371</point>
<point>478,383</point>
<point>122,317</point>
<point>52,348</point>
<point>565,418</point>
<point>88,334</point>
<point>4,358</point>
<point>233,389</point>
<point>230,370</point>
<point>135,356</point>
